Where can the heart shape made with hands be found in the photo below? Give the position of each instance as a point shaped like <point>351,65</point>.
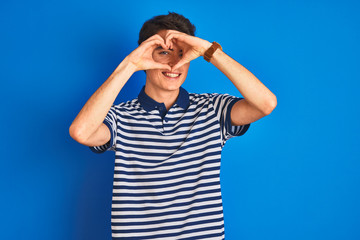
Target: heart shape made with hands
<point>171,55</point>
<point>189,47</point>
<point>192,47</point>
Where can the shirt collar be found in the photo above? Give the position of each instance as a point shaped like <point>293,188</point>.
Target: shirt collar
<point>150,104</point>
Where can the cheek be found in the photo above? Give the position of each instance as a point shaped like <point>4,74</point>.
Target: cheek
<point>152,73</point>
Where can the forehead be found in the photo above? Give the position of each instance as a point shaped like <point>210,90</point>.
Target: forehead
<point>162,33</point>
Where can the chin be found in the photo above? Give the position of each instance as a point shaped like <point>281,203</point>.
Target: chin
<point>172,84</point>
<point>172,87</point>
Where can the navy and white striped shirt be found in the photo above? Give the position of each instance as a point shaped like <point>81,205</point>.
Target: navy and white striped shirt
<point>167,166</point>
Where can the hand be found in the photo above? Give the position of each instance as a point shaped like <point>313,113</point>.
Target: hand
<point>193,47</point>
<point>142,58</point>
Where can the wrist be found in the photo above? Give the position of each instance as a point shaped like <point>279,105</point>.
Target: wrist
<point>218,54</point>
<point>208,55</point>
<point>128,66</point>
<point>205,47</point>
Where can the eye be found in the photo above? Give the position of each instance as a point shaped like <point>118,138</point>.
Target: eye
<point>163,53</point>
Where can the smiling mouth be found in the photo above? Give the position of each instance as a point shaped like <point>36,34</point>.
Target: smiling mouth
<point>171,75</point>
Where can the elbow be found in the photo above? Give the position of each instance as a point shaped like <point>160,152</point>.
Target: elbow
<point>76,133</point>
<point>270,105</point>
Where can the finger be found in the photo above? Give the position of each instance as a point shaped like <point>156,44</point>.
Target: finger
<point>168,42</point>
<point>158,42</point>
<point>155,40</point>
<point>174,31</point>
<point>162,44</point>
<point>161,41</point>
<point>172,44</point>
<point>190,41</point>
<point>170,38</point>
<point>155,36</point>
<point>173,36</point>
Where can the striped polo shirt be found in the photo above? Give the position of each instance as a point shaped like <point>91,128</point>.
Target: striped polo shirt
<point>167,166</point>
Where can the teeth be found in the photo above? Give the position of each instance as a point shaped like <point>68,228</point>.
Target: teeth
<point>172,74</point>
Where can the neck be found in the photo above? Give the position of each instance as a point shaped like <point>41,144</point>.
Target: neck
<point>167,97</point>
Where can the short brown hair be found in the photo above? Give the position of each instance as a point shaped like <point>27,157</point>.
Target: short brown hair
<point>171,21</point>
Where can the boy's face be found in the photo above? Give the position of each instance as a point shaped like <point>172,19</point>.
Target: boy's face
<point>161,79</point>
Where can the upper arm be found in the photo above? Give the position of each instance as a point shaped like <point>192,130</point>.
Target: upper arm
<point>243,113</point>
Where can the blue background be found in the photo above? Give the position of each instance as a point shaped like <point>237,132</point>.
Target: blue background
<point>294,175</point>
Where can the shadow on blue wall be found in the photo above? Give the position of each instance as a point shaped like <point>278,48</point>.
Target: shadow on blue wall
<point>93,200</point>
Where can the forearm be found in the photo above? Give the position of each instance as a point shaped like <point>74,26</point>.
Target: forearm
<point>253,91</point>
<point>94,111</point>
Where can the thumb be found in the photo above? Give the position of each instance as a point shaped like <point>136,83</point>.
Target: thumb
<point>160,66</point>
<point>179,64</point>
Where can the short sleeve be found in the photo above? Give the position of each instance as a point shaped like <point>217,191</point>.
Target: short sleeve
<point>223,104</point>
<point>111,122</point>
